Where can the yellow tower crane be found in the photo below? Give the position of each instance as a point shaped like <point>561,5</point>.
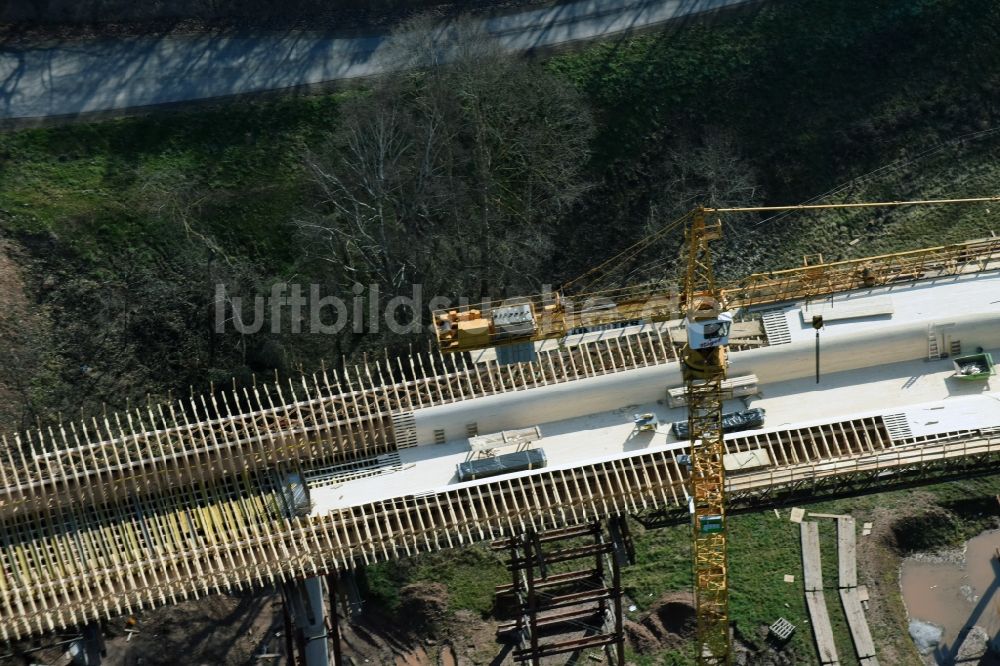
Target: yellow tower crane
<point>705,308</point>
<point>704,368</point>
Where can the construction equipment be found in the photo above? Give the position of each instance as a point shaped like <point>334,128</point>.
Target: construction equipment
<point>731,421</point>
<point>703,364</point>
<point>974,366</point>
<point>707,311</point>
<point>645,422</point>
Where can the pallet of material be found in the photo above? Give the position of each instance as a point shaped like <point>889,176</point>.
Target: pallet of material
<point>735,387</point>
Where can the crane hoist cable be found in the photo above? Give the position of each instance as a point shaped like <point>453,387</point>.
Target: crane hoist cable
<point>865,204</point>
<point>632,250</point>
<point>626,254</point>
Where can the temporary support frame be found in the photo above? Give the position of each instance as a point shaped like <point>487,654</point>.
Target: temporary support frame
<point>547,602</point>
<point>58,572</point>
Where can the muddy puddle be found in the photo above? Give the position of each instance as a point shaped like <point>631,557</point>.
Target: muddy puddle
<point>956,591</point>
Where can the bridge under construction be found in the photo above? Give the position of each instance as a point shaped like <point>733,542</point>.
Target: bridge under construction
<point>278,483</point>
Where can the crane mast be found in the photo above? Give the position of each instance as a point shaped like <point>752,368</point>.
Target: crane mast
<point>704,368</point>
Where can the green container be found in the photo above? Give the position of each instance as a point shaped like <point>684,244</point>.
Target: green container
<point>973,367</point>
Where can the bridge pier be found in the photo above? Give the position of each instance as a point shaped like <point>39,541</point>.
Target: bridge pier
<point>307,625</point>
<point>306,622</point>
<point>89,650</point>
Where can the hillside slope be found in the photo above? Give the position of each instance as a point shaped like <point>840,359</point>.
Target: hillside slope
<point>122,229</point>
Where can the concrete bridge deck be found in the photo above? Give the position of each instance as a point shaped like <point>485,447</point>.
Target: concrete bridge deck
<point>881,413</point>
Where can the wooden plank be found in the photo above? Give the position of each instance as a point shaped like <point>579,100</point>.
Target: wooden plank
<point>860,634</point>
<point>822,630</point>
<point>812,573</point>
<point>846,552</point>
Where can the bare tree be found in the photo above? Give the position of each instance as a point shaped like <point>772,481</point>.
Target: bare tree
<point>711,173</point>
<point>450,170</point>
<point>365,189</point>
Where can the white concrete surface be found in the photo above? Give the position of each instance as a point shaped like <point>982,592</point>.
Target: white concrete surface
<point>833,311</point>
<point>924,391</point>
<point>870,366</point>
<point>848,345</point>
<point>933,301</point>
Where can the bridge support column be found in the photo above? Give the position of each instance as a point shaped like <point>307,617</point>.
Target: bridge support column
<point>331,586</point>
<point>306,603</point>
<point>89,650</point>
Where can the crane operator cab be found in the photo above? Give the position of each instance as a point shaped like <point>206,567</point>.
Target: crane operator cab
<point>708,335</point>
<point>710,332</point>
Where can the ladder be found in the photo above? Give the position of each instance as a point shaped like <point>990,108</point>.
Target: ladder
<point>933,351</point>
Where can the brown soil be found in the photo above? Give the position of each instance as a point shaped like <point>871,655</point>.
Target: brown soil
<point>427,605</point>
<point>227,630</point>
<point>448,657</point>
<point>669,624</point>
<point>219,630</point>
<point>415,657</point>
<point>21,328</point>
<point>11,295</point>
<point>879,559</point>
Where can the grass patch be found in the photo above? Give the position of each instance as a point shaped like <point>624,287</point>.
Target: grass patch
<point>471,575</point>
<point>236,164</point>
